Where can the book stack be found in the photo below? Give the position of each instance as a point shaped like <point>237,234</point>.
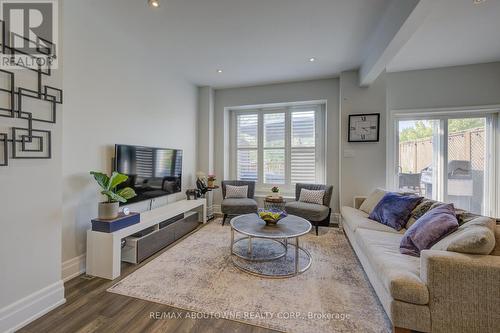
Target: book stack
<point>122,221</point>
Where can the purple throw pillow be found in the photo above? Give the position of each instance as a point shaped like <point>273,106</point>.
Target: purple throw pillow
<point>429,229</point>
<point>394,209</point>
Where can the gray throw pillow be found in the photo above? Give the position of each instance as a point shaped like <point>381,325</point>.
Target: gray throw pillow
<point>474,237</point>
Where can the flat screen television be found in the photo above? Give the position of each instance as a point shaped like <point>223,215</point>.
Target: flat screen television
<point>153,172</point>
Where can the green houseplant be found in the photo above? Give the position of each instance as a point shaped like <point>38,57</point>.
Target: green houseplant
<point>108,210</point>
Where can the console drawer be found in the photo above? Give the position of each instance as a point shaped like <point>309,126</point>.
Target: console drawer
<point>186,225</point>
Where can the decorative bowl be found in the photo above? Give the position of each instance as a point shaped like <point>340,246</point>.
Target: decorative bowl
<point>271,216</point>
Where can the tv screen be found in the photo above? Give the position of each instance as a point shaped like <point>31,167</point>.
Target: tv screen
<point>153,172</point>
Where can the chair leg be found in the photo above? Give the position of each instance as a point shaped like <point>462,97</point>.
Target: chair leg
<point>224,219</point>
<point>317,225</point>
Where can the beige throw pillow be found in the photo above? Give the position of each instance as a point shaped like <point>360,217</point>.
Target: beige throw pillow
<point>474,237</point>
<point>372,200</point>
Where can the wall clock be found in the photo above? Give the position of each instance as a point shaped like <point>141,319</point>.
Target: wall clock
<point>364,127</point>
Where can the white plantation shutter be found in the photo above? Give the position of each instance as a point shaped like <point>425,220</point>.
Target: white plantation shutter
<point>279,146</point>
<point>274,148</point>
<point>303,147</point>
<point>247,128</point>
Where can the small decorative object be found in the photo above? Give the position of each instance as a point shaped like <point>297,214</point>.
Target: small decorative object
<point>109,210</point>
<point>126,211</point>
<point>275,189</point>
<point>211,179</point>
<point>271,216</point>
<point>201,182</point>
<point>193,193</point>
<point>364,127</point>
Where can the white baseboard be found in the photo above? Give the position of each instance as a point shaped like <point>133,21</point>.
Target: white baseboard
<point>73,267</point>
<point>31,307</point>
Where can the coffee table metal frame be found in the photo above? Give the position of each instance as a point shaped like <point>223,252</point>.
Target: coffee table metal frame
<point>282,240</point>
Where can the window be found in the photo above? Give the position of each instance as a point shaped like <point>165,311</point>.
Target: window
<point>279,146</point>
<point>450,158</point>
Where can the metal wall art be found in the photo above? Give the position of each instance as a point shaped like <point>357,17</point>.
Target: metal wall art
<point>27,142</point>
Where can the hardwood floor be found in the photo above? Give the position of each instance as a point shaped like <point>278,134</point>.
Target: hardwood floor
<point>90,308</point>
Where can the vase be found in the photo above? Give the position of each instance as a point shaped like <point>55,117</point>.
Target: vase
<point>108,210</point>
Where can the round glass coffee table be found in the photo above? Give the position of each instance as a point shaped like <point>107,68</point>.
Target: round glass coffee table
<point>264,250</point>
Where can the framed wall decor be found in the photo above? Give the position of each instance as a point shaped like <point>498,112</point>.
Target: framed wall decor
<point>364,127</point>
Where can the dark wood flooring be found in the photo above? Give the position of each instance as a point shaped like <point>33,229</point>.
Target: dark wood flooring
<point>90,308</point>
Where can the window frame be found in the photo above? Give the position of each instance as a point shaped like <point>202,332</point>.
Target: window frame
<point>320,142</point>
<point>492,167</point>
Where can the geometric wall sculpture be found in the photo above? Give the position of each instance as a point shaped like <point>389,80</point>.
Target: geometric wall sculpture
<point>30,106</point>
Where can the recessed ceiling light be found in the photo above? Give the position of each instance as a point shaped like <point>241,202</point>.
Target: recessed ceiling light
<point>154,3</point>
<point>312,59</point>
<point>478,2</point>
<point>219,71</point>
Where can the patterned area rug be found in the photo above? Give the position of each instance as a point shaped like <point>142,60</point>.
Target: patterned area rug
<point>197,274</point>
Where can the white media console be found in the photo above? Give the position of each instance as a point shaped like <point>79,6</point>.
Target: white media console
<point>104,249</point>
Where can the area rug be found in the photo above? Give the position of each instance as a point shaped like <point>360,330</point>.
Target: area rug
<point>197,274</point>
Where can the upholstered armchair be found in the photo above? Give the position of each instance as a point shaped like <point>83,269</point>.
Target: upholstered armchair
<point>238,206</point>
<point>318,215</point>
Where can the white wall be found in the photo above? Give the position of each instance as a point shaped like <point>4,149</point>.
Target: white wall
<point>31,218</point>
<point>365,169</point>
<point>472,85</point>
<point>205,132</point>
<point>327,89</point>
<point>115,92</point>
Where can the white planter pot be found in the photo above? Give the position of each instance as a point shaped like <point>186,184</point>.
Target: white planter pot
<point>108,210</point>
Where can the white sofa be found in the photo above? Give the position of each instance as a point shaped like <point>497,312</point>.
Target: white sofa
<point>441,291</point>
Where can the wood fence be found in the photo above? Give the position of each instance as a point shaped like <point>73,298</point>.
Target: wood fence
<point>468,145</point>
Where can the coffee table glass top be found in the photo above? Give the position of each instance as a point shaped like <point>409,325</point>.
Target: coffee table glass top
<point>289,227</point>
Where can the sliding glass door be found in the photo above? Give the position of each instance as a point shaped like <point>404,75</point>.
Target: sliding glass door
<point>447,159</point>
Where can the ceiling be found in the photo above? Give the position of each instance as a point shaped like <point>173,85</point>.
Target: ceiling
<point>267,41</point>
<point>252,41</point>
<point>456,32</point>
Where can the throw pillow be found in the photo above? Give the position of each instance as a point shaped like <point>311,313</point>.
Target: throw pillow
<point>474,237</point>
<point>394,209</point>
<point>372,200</point>
<point>312,196</point>
<point>420,210</point>
<point>429,229</point>
<point>236,192</point>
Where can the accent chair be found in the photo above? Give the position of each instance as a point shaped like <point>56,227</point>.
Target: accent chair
<point>238,206</point>
<point>318,215</point>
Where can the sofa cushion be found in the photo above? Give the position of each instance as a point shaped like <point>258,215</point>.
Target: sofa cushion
<point>372,200</point>
<point>496,250</point>
<point>394,209</point>
<point>399,273</point>
<point>474,237</point>
<point>238,206</point>
<point>309,211</point>
<point>354,218</point>
<point>429,229</point>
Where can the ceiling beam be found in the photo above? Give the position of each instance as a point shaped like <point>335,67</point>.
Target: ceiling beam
<point>400,21</point>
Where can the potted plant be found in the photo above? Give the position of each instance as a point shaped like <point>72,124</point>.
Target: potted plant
<point>211,179</point>
<point>275,189</point>
<point>108,210</point>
